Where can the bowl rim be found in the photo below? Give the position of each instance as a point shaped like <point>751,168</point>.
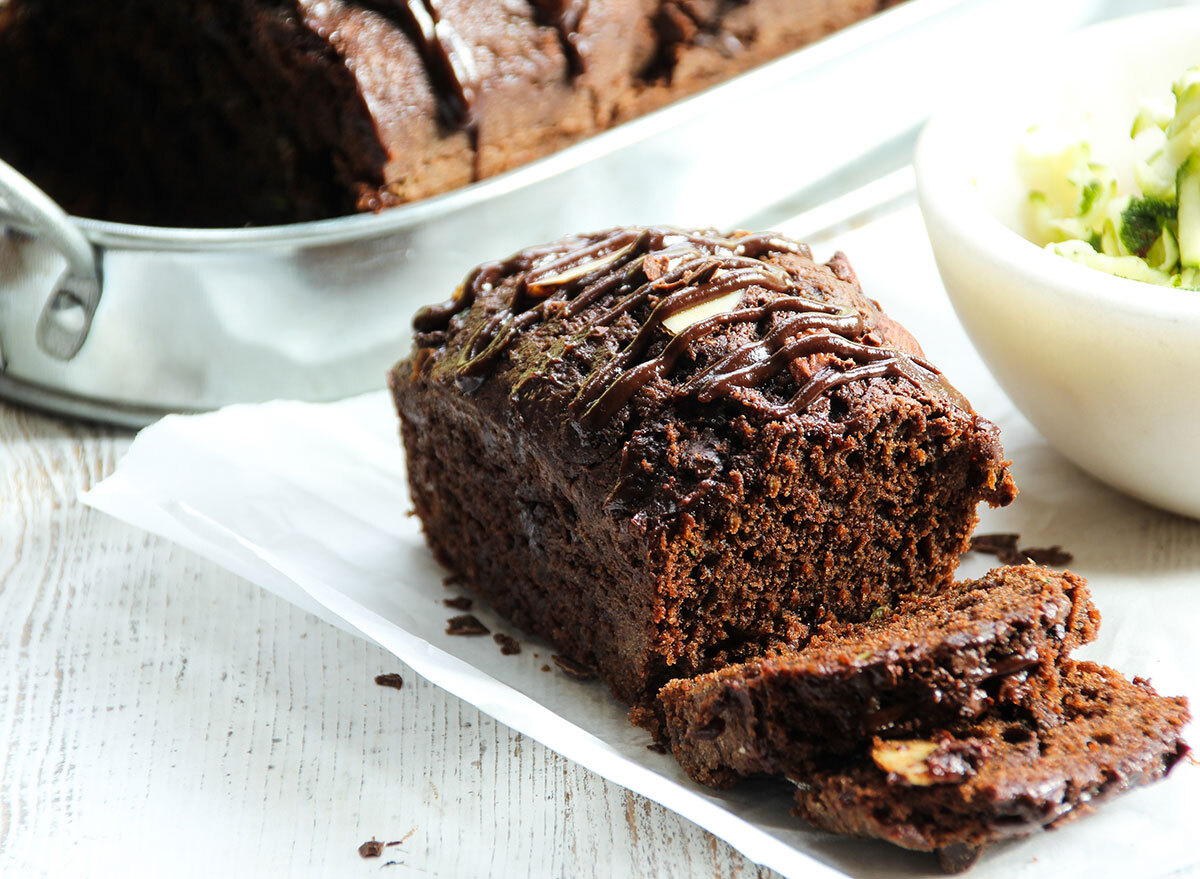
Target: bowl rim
<point>949,198</point>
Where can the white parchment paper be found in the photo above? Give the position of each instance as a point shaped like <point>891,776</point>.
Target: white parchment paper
<point>309,501</point>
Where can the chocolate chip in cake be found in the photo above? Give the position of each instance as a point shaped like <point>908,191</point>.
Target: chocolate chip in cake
<point>459,603</point>
<point>573,669</point>
<point>372,848</point>
<point>465,624</point>
<point>509,645</point>
<point>391,679</point>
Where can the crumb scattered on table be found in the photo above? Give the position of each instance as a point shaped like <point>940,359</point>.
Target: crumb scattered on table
<point>508,644</point>
<point>571,668</point>
<point>391,679</point>
<point>1002,546</point>
<point>372,848</point>
<point>459,603</point>
<point>1006,548</point>
<point>465,624</point>
<point>1055,555</point>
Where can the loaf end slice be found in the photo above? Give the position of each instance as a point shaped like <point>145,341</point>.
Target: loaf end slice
<point>995,778</point>
<point>938,660</point>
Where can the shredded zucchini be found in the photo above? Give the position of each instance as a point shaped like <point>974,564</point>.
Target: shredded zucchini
<point>1074,208</point>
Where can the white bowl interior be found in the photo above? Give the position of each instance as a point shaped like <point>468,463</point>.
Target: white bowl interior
<point>1093,87</point>
<point>1108,369</point>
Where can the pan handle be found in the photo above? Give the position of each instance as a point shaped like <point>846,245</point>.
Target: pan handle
<point>67,316</point>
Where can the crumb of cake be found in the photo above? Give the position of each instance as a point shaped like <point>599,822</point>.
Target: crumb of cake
<point>391,679</point>
<point>656,748</point>
<point>1006,548</point>
<point>465,624</point>
<point>459,603</point>
<point>509,646</point>
<point>1002,546</point>
<point>372,848</point>
<point>1055,555</point>
<point>571,668</point>
<point>545,668</point>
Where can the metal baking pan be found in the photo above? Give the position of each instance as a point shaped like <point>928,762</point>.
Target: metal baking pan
<point>124,323</point>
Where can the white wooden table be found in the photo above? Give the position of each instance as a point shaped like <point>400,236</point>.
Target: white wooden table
<point>163,717</point>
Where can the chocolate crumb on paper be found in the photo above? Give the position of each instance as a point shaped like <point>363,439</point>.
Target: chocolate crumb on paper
<point>1055,555</point>
<point>465,624</point>
<point>459,603</point>
<point>545,668</point>
<point>391,679</point>
<point>1002,546</point>
<point>957,858</point>
<point>509,646</point>
<point>372,848</point>
<point>571,668</point>
<point>1006,548</point>
<point>656,748</point>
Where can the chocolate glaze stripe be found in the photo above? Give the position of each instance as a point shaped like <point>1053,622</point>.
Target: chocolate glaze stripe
<point>676,271</point>
<point>598,409</point>
<point>575,251</point>
<point>450,64</point>
<point>763,243</point>
<point>447,58</point>
<point>490,341</point>
<point>705,288</point>
<point>618,260</point>
<point>434,318</point>
<point>564,16</point>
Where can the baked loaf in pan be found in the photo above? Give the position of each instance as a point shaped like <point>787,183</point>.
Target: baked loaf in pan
<point>938,660</point>
<point>666,451</point>
<point>198,113</point>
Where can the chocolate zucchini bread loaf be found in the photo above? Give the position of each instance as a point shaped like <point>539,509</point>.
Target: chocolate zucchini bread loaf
<point>998,777</point>
<point>665,451</point>
<point>938,660</point>
<point>202,113</point>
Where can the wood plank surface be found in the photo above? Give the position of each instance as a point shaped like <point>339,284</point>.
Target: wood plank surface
<point>164,717</point>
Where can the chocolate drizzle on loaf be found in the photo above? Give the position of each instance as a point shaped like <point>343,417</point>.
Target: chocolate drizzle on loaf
<point>564,16</point>
<point>675,271</point>
<point>447,59</point>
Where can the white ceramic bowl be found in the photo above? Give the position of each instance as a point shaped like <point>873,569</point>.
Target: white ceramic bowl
<point>1107,369</point>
